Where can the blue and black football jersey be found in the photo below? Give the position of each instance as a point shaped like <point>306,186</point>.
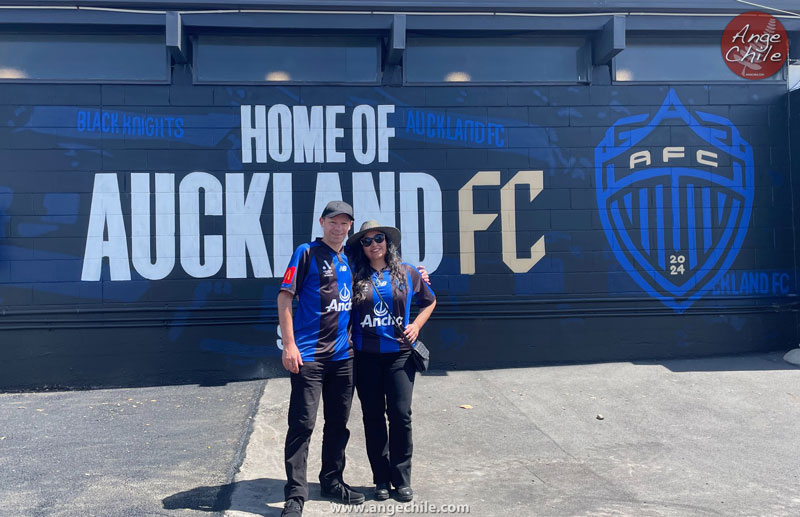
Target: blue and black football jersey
<point>321,281</point>
<point>373,330</point>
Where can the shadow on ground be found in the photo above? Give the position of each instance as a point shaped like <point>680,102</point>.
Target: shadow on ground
<point>762,361</point>
<point>218,498</point>
<point>202,498</point>
<point>735,363</point>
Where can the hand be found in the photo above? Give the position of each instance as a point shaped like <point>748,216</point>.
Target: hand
<point>291,357</point>
<point>411,332</point>
<point>424,274</point>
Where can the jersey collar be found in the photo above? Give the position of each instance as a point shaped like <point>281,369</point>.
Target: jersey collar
<point>319,241</point>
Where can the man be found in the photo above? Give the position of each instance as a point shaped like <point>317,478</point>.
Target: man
<point>318,353</point>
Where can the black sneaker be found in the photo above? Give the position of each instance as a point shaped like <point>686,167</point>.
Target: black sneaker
<point>342,493</point>
<point>404,494</point>
<point>382,491</point>
<point>292,508</point>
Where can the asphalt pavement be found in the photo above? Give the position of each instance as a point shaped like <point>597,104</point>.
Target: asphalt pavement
<point>169,450</point>
<point>712,436</point>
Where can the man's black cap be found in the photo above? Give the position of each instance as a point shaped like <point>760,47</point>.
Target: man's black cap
<point>335,208</point>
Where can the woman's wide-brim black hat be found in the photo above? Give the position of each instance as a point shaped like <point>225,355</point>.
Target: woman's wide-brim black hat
<point>373,225</point>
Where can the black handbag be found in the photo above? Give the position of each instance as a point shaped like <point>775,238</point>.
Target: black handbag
<point>421,356</point>
<point>419,352</point>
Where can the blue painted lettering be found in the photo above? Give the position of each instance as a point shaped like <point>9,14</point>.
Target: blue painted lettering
<point>136,126</point>
<point>449,136</point>
<point>411,126</point>
<point>752,282</point>
<point>432,125</point>
<point>744,284</point>
<point>763,283</point>
<point>115,122</point>
<point>784,283</point>
<point>480,134</point>
<point>724,284</point>
<point>459,134</point>
<point>496,134</point>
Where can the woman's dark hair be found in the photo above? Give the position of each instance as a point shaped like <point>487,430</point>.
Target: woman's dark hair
<point>362,282</point>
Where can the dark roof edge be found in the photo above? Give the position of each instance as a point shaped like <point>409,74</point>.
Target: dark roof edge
<point>499,6</point>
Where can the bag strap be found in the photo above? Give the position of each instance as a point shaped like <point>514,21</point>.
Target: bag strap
<point>396,325</point>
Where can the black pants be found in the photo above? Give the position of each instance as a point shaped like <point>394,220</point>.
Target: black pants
<point>334,381</point>
<point>385,383</point>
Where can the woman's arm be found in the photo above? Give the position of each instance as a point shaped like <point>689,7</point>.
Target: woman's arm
<point>413,328</point>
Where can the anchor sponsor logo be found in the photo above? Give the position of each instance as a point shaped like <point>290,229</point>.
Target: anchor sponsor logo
<point>381,317</point>
<point>344,294</point>
<point>380,309</point>
<point>343,303</point>
<point>675,217</point>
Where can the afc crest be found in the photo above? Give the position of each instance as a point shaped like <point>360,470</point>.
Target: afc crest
<point>675,216</point>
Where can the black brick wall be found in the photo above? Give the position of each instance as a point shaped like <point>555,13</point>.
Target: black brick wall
<point>577,304</point>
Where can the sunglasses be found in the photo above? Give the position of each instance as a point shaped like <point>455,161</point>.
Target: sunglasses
<point>367,241</point>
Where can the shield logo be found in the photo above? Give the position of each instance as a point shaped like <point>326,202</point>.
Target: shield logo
<point>675,194</point>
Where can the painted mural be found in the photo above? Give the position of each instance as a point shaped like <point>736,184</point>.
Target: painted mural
<point>546,215</point>
<point>686,251</point>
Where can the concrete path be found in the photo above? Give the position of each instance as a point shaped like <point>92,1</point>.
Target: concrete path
<point>716,436</point>
<point>699,437</point>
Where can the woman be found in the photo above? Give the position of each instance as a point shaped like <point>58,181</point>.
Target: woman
<point>382,289</point>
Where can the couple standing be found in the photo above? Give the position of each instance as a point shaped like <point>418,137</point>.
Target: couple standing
<point>328,280</point>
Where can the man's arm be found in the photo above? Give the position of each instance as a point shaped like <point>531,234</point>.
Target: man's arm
<point>424,274</point>
<point>291,355</point>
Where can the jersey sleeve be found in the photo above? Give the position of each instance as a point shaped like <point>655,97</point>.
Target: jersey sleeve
<point>296,271</point>
<point>422,291</point>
